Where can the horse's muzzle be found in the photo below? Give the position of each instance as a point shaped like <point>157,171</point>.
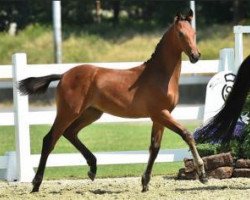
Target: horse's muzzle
<point>194,57</point>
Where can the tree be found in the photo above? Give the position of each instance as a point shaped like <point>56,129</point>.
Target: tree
<point>80,12</point>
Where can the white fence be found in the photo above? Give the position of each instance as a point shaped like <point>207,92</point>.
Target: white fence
<point>20,165</point>
<point>238,40</point>
<point>22,170</point>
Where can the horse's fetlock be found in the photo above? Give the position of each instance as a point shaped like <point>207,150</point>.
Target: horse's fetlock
<point>37,179</point>
<point>92,162</point>
<point>200,162</point>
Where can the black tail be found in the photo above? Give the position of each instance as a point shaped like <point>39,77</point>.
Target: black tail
<point>37,85</point>
<point>220,128</point>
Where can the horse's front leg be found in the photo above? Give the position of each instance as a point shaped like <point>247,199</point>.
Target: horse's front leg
<point>156,136</point>
<point>165,118</point>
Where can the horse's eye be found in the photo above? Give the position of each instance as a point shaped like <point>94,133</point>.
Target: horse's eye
<point>181,34</point>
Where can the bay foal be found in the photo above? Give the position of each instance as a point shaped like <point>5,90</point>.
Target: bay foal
<point>85,92</point>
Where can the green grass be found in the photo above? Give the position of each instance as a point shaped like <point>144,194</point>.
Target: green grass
<point>104,43</point>
<point>97,137</point>
<point>111,171</point>
<point>102,137</point>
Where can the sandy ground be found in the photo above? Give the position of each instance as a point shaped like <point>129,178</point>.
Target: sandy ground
<point>130,188</point>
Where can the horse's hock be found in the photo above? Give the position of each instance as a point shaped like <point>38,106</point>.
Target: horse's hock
<point>218,166</point>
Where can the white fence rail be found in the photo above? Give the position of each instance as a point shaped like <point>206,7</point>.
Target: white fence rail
<point>22,162</point>
<point>103,158</point>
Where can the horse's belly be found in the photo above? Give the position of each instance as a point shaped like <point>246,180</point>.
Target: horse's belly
<point>127,114</point>
<point>126,110</point>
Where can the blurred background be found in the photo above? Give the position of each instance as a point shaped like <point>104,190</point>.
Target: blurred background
<point>114,30</point>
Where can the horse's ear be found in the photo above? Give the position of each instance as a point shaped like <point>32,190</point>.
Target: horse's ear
<point>190,15</point>
<point>178,17</point>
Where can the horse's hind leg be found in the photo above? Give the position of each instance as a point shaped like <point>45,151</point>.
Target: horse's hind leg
<point>167,120</point>
<point>156,136</point>
<point>62,121</point>
<point>90,115</point>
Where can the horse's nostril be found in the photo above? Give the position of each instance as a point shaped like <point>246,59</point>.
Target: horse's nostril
<point>194,57</point>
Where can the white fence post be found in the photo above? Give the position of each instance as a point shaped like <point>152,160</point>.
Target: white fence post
<point>56,9</point>
<point>24,169</point>
<point>11,168</point>
<point>226,62</point>
<point>192,6</point>
<point>238,46</point>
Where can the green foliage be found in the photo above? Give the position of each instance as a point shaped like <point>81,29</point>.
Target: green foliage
<point>207,149</point>
<point>25,12</point>
<point>130,41</point>
<point>234,147</point>
<point>246,142</point>
<point>237,148</point>
<point>246,108</point>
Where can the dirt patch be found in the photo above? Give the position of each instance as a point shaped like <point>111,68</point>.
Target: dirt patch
<point>130,188</point>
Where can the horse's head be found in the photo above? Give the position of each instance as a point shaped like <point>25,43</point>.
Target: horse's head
<point>186,36</point>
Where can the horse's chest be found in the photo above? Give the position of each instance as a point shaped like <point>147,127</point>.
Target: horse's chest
<point>166,98</point>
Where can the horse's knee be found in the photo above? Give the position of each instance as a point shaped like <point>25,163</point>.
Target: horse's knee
<point>92,161</point>
<point>48,144</point>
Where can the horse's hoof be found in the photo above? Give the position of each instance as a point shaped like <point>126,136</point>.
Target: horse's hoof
<point>35,189</point>
<point>203,179</point>
<point>144,188</point>
<point>91,175</point>
<point>36,186</point>
<point>145,180</point>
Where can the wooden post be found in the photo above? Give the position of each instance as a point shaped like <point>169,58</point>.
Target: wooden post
<point>56,5</point>
<point>98,11</point>
<point>25,171</point>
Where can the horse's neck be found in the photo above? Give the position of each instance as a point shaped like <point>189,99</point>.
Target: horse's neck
<point>166,59</point>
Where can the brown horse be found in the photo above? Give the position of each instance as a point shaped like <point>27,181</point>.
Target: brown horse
<point>85,92</point>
